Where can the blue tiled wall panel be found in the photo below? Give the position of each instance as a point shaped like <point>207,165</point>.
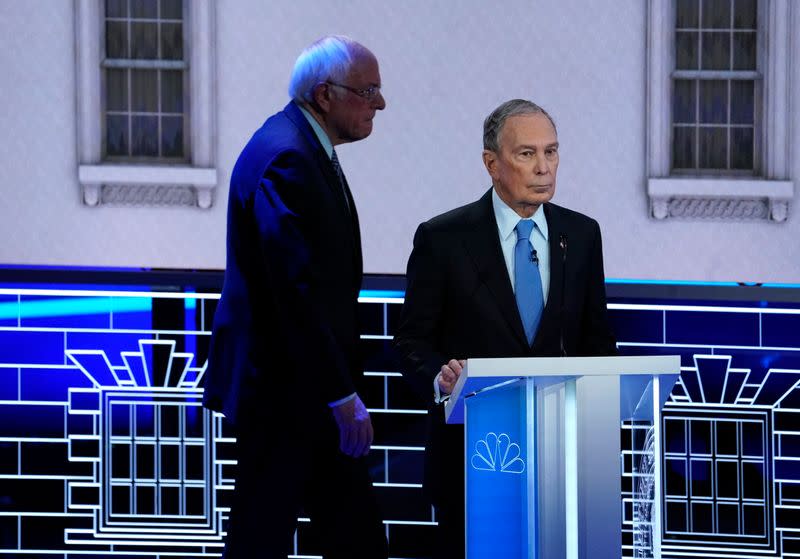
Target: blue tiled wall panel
<point>787,469</point>
<point>51,385</point>
<point>9,310</point>
<point>32,347</point>
<point>789,446</point>
<point>50,458</point>
<point>65,312</point>
<point>405,466</point>
<point>643,326</point>
<point>31,420</point>
<point>48,532</point>
<point>9,383</point>
<point>686,327</point>
<point>132,313</point>
<point>32,495</point>
<point>780,330</point>
<point>9,457</point>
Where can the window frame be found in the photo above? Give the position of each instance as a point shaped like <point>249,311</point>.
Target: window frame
<point>142,181</point>
<point>766,193</point>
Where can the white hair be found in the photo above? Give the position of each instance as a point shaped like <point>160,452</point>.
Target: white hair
<point>327,59</point>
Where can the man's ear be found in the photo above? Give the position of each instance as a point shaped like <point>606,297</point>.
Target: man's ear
<point>322,97</point>
<point>490,162</point>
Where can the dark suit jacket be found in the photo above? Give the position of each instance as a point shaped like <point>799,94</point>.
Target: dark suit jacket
<point>459,304</point>
<point>286,324</point>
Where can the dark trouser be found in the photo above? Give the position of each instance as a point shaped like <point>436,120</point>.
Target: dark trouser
<point>282,469</point>
<point>444,482</point>
<point>450,536</point>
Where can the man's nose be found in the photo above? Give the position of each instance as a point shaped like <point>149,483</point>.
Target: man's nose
<point>379,102</point>
<point>541,166</point>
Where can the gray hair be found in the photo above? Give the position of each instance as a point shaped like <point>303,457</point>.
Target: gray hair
<point>494,123</point>
<point>328,58</point>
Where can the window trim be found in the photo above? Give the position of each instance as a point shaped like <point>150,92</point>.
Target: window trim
<point>676,195</point>
<point>108,182</point>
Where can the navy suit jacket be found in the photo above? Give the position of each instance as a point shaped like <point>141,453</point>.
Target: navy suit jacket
<point>286,324</point>
<point>459,304</point>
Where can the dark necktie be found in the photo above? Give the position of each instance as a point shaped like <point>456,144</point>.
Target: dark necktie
<point>340,175</point>
<point>527,281</point>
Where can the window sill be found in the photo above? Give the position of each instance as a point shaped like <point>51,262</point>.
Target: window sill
<point>147,185</point>
<point>726,199</point>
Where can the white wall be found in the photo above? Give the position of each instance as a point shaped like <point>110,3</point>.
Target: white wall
<point>445,65</point>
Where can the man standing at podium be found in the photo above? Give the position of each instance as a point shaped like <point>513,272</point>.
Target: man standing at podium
<point>510,275</point>
<point>285,344</point>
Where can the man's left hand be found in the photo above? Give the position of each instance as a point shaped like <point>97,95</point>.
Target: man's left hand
<point>355,427</point>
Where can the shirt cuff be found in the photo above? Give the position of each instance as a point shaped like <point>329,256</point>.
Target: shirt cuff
<point>438,398</point>
<point>342,401</point>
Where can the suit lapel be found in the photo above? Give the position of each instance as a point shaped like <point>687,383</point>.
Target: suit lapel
<point>342,195</point>
<point>294,114</point>
<point>483,245</point>
<point>356,228</point>
<point>551,316</point>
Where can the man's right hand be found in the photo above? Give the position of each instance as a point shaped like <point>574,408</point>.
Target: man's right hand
<point>355,427</point>
<point>449,373</point>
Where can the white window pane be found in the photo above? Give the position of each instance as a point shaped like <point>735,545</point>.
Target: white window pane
<point>116,39</point>
<point>144,43</point>
<point>742,102</point>
<point>742,148</point>
<point>117,135</point>
<point>716,14</point>
<point>713,101</point>
<point>144,9</point>
<point>744,50</point>
<point>171,41</point>
<point>144,90</point>
<point>684,102</point>
<point>716,51</point>
<point>116,89</point>
<point>713,146</point>
<point>116,8</point>
<point>686,50</point>
<point>144,130</point>
<point>744,14</point>
<point>172,136</point>
<point>171,91</point>
<point>687,14</point>
<point>171,9</point>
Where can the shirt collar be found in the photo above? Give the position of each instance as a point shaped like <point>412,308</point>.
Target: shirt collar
<point>507,218</point>
<point>321,135</point>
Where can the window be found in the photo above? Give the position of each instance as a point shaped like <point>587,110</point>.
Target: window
<point>718,106</point>
<point>146,101</point>
<point>145,73</point>
<point>714,85</point>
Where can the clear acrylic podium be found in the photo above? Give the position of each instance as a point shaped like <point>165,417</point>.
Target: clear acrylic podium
<point>543,454</point>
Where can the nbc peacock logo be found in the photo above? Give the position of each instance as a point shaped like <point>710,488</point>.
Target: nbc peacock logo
<point>496,453</point>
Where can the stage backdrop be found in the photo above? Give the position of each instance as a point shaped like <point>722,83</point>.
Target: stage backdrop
<point>104,448</point>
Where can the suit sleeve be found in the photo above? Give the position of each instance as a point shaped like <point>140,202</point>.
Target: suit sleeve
<point>597,337</point>
<point>418,333</point>
<point>281,206</point>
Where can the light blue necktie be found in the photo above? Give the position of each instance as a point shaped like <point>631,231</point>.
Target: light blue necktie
<point>527,281</point>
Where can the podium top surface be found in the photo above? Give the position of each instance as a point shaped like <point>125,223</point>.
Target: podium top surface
<point>481,373</point>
